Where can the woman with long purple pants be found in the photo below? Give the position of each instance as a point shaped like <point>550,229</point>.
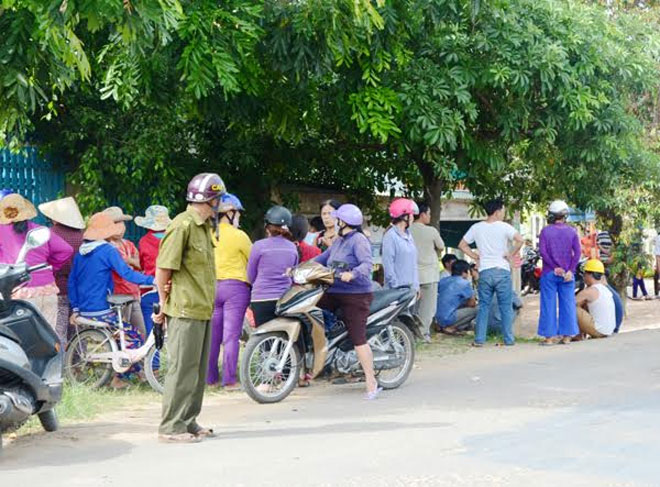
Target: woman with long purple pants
<point>232,295</point>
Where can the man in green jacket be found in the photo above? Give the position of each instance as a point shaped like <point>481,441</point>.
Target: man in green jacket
<point>186,259</point>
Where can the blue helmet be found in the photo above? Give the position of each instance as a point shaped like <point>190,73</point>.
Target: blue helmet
<point>229,202</point>
<point>4,192</point>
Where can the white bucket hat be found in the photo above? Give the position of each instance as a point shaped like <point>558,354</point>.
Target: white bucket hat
<point>156,218</point>
<point>64,211</point>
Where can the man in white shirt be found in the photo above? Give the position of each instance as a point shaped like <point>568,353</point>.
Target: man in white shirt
<point>429,246</point>
<point>494,240</point>
<point>596,312</point>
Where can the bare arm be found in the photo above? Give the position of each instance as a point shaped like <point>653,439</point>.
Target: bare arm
<point>585,296</point>
<point>518,242</point>
<point>465,248</point>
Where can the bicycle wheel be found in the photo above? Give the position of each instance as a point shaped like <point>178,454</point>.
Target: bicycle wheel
<point>78,368</point>
<point>155,367</point>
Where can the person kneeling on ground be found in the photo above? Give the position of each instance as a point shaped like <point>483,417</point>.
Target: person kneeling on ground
<point>595,304</point>
<point>457,306</point>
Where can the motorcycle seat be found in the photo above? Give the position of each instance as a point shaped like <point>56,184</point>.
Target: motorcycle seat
<point>385,297</point>
<point>120,299</point>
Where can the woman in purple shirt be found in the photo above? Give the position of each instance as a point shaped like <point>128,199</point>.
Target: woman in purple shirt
<point>42,290</point>
<point>559,246</point>
<point>268,263</point>
<point>350,256</point>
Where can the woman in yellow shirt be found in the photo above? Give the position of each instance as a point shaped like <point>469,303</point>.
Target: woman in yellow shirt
<point>232,295</point>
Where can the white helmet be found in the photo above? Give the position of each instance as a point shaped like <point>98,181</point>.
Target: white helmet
<point>559,208</point>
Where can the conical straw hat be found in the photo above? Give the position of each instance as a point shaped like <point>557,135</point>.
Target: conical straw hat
<point>64,211</point>
<point>14,208</point>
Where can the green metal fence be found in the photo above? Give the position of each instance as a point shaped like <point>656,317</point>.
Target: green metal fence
<point>30,176</point>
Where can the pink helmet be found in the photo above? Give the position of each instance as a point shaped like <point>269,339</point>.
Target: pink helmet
<point>205,187</point>
<point>402,206</point>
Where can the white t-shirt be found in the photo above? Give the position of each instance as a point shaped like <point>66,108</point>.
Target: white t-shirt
<point>492,241</point>
<point>657,246</point>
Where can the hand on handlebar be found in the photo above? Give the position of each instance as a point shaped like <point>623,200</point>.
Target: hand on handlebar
<point>73,319</point>
<point>346,276</point>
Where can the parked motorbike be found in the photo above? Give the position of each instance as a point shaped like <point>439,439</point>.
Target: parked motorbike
<point>579,275</point>
<point>296,341</point>
<point>531,273</point>
<point>30,352</point>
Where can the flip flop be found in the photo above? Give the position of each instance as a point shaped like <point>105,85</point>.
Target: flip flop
<point>204,433</point>
<point>370,396</point>
<point>179,438</point>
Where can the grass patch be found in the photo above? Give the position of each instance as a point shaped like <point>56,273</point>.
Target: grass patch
<point>81,403</point>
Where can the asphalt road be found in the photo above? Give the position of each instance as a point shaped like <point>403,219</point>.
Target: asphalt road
<point>579,415</point>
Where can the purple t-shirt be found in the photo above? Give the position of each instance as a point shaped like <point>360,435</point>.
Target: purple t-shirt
<point>559,246</point>
<point>267,265</point>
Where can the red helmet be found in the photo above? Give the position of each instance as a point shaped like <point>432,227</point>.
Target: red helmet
<point>401,207</point>
<point>205,187</point>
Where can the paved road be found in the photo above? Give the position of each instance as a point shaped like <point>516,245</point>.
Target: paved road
<point>580,415</point>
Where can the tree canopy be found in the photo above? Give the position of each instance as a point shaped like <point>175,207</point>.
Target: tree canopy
<point>531,99</point>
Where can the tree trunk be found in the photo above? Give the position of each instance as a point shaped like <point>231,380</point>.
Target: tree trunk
<point>619,280</point>
<point>433,189</point>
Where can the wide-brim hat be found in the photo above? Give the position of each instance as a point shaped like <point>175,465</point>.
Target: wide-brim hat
<point>14,208</point>
<point>117,214</point>
<point>156,218</point>
<point>64,211</point>
<point>102,227</point>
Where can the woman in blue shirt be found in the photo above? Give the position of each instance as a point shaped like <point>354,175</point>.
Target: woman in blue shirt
<point>399,251</point>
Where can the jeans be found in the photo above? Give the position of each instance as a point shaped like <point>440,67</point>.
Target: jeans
<point>495,281</point>
<point>550,325</point>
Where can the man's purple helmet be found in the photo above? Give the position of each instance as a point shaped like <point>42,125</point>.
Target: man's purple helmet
<point>349,214</point>
<point>205,187</point>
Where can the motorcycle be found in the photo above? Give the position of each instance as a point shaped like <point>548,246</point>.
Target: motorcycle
<point>297,339</point>
<point>31,357</point>
<point>531,273</point>
<point>579,275</point>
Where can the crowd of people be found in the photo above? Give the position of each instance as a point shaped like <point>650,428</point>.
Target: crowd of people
<point>207,275</point>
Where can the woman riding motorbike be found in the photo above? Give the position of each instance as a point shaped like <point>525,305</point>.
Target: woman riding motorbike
<point>350,256</point>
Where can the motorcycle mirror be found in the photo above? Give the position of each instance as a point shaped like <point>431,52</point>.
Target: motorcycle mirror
<point>35,238</point>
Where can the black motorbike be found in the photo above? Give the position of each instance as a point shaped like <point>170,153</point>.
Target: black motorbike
<point>30,354</point>
<point>531,273</point>
<point>579,275</point>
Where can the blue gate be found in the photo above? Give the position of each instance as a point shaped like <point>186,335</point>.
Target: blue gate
<point>25,173</point>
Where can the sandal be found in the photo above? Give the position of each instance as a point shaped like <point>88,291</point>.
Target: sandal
<point>202,432</point>
<point>370,396</point>
<point>179,438</point>
<point>476,345</point>
<point>566,340</point>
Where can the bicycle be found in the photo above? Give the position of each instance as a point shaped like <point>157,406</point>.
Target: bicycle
<point>100,349</point>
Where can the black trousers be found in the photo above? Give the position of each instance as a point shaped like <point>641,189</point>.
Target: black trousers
<point>263,311</point>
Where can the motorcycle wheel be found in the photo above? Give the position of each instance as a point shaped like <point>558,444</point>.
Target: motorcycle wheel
<point>258,374</point>
<point>49,421</point>
<point>402,344</point>
<point>81,371</point>
<point>156,364</point>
